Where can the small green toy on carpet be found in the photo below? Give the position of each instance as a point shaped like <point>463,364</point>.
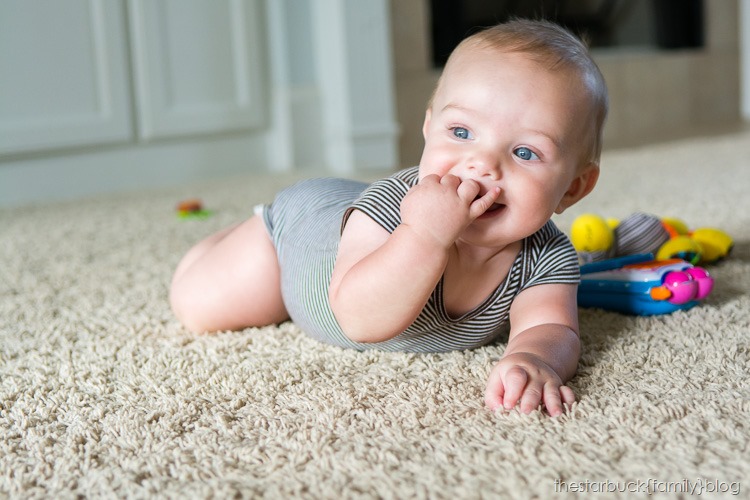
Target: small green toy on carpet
<point>645,265</point>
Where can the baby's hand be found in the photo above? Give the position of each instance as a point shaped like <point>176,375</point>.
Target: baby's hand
<point>524,378</point>
<point>442,207</point>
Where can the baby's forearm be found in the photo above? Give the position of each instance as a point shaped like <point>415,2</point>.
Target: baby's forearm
<point>558,346</point>
<point>381,295</point>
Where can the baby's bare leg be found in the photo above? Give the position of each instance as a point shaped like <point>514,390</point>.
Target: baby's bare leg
<point>229,281</point>
<point>200,248</point>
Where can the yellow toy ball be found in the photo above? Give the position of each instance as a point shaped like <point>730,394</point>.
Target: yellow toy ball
<point>716,243</point>
<point>681,247</point>
<point>678,225</point>
<point>591,233</point>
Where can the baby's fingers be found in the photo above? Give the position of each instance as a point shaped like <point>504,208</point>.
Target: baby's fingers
<point>493,396</point>
<point>552,400</point>
<point>555,396</point>
<point>467,190</point>
<point>515,383</point>
<point>567,394</point>
<point>531,398</point>
<point>481,205</point>
<point>451,181</point>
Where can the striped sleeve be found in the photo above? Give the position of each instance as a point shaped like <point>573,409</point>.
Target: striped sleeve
<point>381,201</point>
<point>551,258</point>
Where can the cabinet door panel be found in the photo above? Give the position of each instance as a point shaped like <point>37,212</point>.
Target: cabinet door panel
<point>63,79</point>
<point>197,65</point>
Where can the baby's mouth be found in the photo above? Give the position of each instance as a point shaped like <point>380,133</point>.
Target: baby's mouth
<point>494,209</point>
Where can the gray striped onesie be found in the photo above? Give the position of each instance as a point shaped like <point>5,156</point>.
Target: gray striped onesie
<point>305,223</point>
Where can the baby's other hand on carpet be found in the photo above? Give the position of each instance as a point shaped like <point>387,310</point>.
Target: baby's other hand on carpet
<point>524,379</point>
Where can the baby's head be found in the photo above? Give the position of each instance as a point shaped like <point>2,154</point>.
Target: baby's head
<point>555,50</point>
<point>520,107</point>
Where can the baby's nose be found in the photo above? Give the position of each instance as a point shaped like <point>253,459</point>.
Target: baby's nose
<point>485,166</point>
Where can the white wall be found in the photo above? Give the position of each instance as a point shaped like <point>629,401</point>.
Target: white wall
<point>745,57</point>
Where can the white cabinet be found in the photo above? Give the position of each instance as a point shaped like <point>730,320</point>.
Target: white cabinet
<point>63,75</point>
<point>196,66</point>
<point>66,77</point>
<point>99,96</point>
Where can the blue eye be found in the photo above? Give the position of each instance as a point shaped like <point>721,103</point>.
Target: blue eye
<point>462,133</point>
<point>525,153</point>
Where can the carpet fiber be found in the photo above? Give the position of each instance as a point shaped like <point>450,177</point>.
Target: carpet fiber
<point>102,393</point>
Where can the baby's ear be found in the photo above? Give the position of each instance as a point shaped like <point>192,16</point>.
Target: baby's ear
<point>580,187</point>
<point>426,124</point>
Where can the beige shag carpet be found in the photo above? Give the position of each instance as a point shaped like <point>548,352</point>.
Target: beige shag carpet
<point>103,394</point>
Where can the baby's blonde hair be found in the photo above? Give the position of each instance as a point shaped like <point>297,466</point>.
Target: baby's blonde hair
<point>554,47</point>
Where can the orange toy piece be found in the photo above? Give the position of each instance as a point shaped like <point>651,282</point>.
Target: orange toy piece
<point>192,209</point>
<point>191,205</point>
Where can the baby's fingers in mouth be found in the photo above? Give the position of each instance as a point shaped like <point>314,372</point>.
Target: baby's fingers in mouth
<point>490,195</point>
<point>486,203</point>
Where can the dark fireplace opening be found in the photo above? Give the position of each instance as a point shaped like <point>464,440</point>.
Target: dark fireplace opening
<point>663,24</point>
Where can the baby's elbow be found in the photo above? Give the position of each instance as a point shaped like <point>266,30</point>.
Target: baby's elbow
<point>364,331</point>
<point>351,324</point>
<point>352,329</point>
<point>364,335</point>
<point>338,315</point>
<point>358,336</point>
<point>358,323</point>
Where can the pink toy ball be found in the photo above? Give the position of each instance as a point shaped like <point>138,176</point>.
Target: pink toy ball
<point>682,286</point>
<point>704,280</point>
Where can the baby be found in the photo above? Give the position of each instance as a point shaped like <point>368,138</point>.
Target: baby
<point>444,255</point>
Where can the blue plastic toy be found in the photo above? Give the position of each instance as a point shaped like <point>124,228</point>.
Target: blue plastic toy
<point>640,285</point>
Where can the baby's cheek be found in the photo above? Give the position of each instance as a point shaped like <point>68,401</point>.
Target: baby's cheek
<point>437,160</point>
